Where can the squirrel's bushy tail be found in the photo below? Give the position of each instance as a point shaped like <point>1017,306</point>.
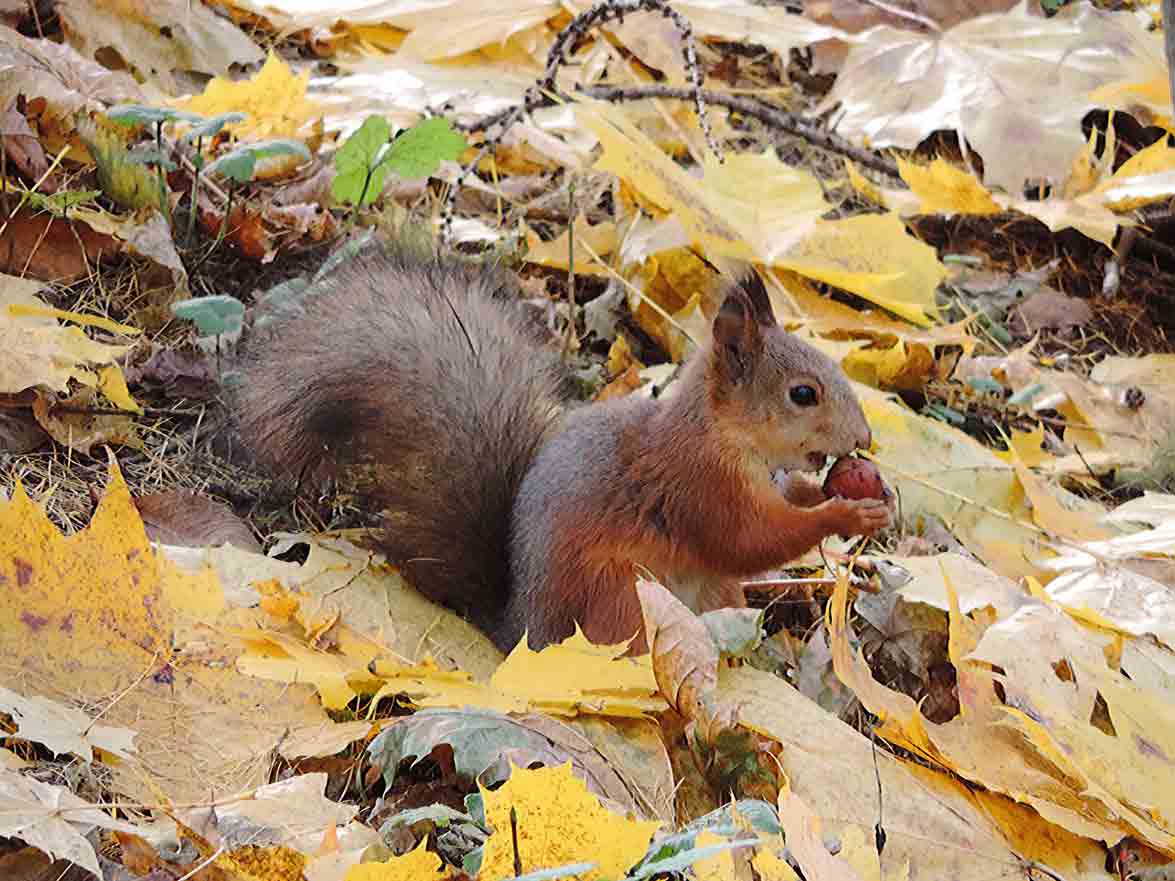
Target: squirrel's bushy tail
<point>417,383</point>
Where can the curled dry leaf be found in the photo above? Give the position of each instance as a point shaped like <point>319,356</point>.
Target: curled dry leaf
<point>685,660</point>
<point>190,520</point>
<point>72,423</point>
<point>23,150</point>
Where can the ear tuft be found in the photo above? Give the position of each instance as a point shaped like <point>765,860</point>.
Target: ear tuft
<point>751,286</point>
<point>736,336</point>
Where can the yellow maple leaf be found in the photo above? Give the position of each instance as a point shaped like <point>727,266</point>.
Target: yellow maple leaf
<point>559,822</point>
<point>416,864</point>
<point>902,367</point>
<point>576,674</point>
<point>718,867</point>
<point>944,189</point>
<point>873,256</point>
<point>1026,446</point>
<point>275,101</point>
<point>100,613</point>
<point>601,238</point>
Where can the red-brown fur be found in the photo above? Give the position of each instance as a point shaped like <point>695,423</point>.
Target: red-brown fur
<point>416,381</point>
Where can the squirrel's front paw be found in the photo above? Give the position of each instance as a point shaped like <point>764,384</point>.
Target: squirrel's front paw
<point>860,516</point>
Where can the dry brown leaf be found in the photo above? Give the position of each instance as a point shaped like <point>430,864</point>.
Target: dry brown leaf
<point>68,423</point>
<point>20,433</point>
<point>51,249</point>
<point>57,81</point>
<point>685,661</point>
<point>157,38</point>
<point>177,517</point>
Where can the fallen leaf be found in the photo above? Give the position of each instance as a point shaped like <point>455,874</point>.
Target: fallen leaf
<point>558,822</point>
<point>51,248</point>
<point>274,101</point>
<point>176,517</point>
<point>70,424</point>
<point>52,819</point>
<point>57,82</point>
<point>64,729</point>
<point>487,745</point>
<point>100,614</point>
<point>416,864</point>
<point>293,813</point>
<point>1028,84</point>
<point>157,38</point>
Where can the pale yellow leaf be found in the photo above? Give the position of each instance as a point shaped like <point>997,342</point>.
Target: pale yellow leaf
<point>943,188</point>
<point>52,819</point>
<point>63,729</point>
<point>873,256</point>
<point>1027,83</point>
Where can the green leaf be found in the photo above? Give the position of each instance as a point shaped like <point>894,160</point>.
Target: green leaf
<point>359,176</point>
<point>571,870</point>
<point>287,298</point>
<point>736,632</point>
<point>418,151</point>
<point>760,814</point>
<point>59,203</point>
<point>143,114</point>
<point>214,315</point>
<point>476,736</point>
<point>240,164</point>
<point>683,860</point>
<point>212,126</point>
<point>150,156</point>
<point>475,806</point>
<point>129,184</point>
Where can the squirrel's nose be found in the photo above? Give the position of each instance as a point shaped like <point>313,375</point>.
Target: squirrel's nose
<point>866,440</point>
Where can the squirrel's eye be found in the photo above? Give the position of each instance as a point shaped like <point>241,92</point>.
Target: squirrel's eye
<point>803,396</point>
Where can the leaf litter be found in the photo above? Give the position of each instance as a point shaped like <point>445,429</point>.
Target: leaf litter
<point>241,709</point>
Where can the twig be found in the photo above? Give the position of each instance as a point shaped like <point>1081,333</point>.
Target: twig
<point>545,92</point>
<point>758,109</point>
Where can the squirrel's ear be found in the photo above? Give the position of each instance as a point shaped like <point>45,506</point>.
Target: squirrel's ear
<point>736,337</point>
<point>751,286</point>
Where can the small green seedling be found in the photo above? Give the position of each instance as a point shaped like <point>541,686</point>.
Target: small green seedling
<point>133,115</point>
<point>211,127</point>
<point>214,316</point>
<point>240,165</point>
<point>363,161</point>
<point>142,114</point>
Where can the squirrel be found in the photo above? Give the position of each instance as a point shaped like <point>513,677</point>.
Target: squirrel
<point>421,382</point>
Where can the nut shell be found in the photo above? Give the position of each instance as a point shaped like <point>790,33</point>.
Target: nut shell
<point>853,478</point>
